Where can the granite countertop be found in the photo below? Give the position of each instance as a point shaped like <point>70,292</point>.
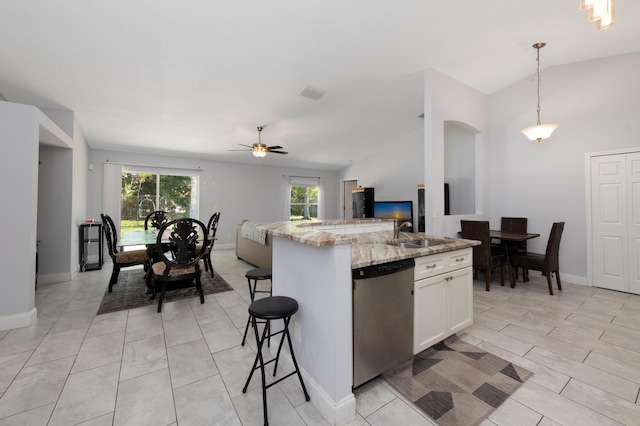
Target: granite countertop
<point>367,248</point>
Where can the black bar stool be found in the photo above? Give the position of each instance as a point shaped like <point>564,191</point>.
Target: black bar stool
<point>269,309</point>
<point>256,275</point>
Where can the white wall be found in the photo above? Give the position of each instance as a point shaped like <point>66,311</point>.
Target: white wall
<point>238,191</point>
<point>460,167</point>
<point>394,171</point>
<point>55,212</point>
<point>596,106</point>
<point>19,176</point>
<point>447,99</point>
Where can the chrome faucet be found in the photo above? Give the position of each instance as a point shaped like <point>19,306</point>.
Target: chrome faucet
<point>397,227</point>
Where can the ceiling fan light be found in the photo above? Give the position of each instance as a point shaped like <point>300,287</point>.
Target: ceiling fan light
<point>539,132</point>
<point>259,150</point>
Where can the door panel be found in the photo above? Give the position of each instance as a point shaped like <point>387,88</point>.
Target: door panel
<point>609,221</point>
<point>633,183</point>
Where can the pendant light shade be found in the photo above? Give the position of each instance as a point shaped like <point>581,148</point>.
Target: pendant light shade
<point>539,131</point>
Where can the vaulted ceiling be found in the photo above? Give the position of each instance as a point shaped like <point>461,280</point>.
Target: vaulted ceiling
<point>194,78</point>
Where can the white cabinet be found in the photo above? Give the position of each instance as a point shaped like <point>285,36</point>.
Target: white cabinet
<point>443,297</point>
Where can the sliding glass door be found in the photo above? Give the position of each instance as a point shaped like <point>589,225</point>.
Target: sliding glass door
<point>144,192</point>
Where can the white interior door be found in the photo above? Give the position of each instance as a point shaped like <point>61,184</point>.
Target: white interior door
<point>633,201</point>
<point>609,221</point>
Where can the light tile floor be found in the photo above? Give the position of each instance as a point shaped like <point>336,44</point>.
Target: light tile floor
<point>186,366</point>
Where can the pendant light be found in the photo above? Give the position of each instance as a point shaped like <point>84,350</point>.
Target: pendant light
<point>539,131</point>
<point>601,11</point>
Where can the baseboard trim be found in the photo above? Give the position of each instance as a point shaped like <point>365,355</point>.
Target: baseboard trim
<point>336,413</point>
<point>574,279</point>
<point>24,319</point>
<point>224,246</point>
<point>54,278</point>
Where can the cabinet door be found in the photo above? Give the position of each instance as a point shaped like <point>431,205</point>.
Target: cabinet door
<point>429,313</point>
<point>459,295</point>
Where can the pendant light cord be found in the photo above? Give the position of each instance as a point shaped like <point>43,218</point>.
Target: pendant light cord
<point>538,73</point>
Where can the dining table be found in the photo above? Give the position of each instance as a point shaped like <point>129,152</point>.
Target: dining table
<point>138,237</point>
<point>508,239</point>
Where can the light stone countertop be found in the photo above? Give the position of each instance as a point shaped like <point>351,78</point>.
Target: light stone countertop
<point>367,248</point>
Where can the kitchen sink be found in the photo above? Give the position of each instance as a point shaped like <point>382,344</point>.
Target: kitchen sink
<point>417,243</point>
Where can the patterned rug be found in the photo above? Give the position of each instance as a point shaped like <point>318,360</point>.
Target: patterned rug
<point>130,291</point>
<point>455,383</point>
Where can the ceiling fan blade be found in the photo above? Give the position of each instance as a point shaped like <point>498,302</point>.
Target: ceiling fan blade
<point>274,147</point>
<point>279,152</point>
<point>243,150</point>
<point>248,146</point>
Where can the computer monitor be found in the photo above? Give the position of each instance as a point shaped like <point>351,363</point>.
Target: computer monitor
<point>402,210</point>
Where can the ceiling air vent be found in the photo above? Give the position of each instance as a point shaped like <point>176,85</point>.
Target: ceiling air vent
<point>312,93</point>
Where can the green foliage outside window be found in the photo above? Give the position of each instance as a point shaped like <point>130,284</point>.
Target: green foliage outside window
<point>139,196</point>
<point>304,203</point>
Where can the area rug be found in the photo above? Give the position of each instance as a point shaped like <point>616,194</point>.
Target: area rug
<point>455,383</point>
<point>130,291</point>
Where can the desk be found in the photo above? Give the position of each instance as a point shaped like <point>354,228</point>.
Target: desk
<point>510,237</point>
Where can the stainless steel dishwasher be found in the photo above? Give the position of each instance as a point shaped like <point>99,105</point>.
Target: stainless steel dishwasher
<point>382,318</point>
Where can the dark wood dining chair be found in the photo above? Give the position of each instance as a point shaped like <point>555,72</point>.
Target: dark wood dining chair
<point>485,257</point>
<point>548,262</point>
<point>155,220</point>
<point>121,259</point>
<point>515,225</point>
<point>183,265</point>
<point>212,228</point>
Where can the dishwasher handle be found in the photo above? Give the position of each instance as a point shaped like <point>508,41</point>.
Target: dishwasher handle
<point>383,269</point>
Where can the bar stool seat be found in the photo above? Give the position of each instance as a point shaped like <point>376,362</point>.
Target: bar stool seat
<point>270,309</point>
<point>256,275</point>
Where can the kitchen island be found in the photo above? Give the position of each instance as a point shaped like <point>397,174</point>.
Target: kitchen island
<point>312,262</point>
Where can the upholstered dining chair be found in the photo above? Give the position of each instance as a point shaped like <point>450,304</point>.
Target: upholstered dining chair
<point>548,263</point>
<point>188,240</point>
<point>212,228</point>
<point>485,257</point>
<point>121,259</point>
<point>155,220</point>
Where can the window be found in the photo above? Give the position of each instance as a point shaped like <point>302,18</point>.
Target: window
<point>143,192</point>
<point>304,197</point>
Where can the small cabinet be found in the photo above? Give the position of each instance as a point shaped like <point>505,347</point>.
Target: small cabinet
<point>363,199</point>
<point>91,244</point>
<point>443,297</point>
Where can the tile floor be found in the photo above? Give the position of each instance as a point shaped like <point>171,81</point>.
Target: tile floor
<point>186,366</point>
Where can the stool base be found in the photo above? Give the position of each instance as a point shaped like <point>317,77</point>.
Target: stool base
<point>259,362</point>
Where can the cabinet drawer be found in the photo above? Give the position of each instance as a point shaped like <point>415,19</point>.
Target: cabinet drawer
<point>459,259</point>
<point>428,266</point>
<point>439,263</point>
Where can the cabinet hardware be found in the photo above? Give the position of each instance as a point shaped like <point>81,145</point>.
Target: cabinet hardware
<point>459,259</point>
<point>431,266</point>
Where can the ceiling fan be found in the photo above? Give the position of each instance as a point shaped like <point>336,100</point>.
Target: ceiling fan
<point>259,149</point>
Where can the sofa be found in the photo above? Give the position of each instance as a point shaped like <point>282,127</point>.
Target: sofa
<point>250,249</point>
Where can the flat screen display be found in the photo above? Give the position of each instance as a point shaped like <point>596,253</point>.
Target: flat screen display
<point>402,210</point>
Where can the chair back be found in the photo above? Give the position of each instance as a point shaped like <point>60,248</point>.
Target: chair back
<point>551,261</point>
<point>478,230</point>
<point>110,234</point>
<point>156,219</point>
<point>213,226</point>
<point>188,240</point>
<point>514,225</point>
